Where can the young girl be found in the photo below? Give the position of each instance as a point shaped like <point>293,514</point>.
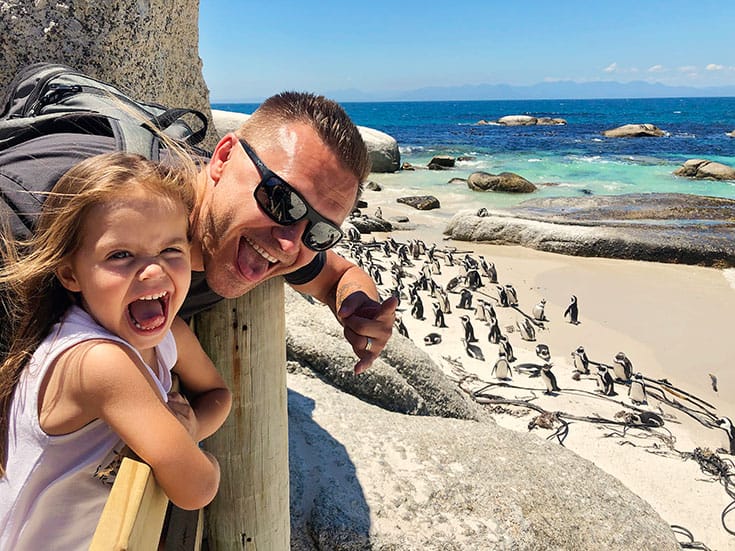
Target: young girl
<point>95,339</point>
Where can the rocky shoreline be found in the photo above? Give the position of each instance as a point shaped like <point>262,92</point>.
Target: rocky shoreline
<point>677,228</point>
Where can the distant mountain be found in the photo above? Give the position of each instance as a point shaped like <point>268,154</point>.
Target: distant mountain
<point>544,90</point>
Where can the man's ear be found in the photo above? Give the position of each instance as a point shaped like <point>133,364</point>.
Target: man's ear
<point>221,155</point>
<point>65,274</point>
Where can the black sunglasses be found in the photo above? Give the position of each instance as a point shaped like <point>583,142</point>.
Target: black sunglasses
<point>285,206</point>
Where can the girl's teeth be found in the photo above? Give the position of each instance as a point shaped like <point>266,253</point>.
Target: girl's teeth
<point>154,297</point>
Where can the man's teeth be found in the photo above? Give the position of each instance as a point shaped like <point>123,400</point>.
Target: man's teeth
<point>262,252</point>
<point>154,297</point>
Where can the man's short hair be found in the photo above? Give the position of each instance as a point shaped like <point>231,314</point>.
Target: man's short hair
<point>326,117</point>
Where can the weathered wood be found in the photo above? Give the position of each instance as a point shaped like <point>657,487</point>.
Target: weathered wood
<point>246,340</point>
<point>133,515</point>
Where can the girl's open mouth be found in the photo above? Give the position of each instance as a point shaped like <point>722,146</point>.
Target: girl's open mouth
<point>148,313</point>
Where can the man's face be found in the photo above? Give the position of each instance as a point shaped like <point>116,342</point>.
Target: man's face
<point>241,245</point>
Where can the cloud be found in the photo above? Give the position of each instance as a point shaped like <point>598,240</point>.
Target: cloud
<point>688,69</point>
<point>714,67</point>
<point>656,69</point>
<point>611,68</point>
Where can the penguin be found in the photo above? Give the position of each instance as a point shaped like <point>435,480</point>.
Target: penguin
<point>549,379</point>
<point>489,310</point>
<point>494,334</point>
<point>378,213</point>
<point>512,295</point>
<point>501,369</point>
<point>543,352</point>
<point>502,296</point>
<point>538,311</point>
<point>431,253</point>
<point>480,310</point>
<point>725,424</point>
<point>438,315</point>
<point>525,327</point>
<point>376,276</point>
<point>444,301</point>
<point>637,390</point>
<point>581,361</point>
<point>623,367</point>
<point>417,310</point>
<point>482,212</point>
<point>432,338</point>
<point>353,234</point>
<point>469,331</point>
<point>401,327</point>
<point>572,311</point>
<point>435,266</point>
<point>449,258</point>
<point>386,248</point>
<point>452,283</point>
<point>505,346</point>
<point>470,263</point>
<point>473,351</point>
<point>403,255</point>
<point>605,382</point>
<point>474,281</point>
<point>465,299</point>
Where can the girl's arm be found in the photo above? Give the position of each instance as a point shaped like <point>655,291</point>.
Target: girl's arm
<point>108,381</point>
<point>205,388</point>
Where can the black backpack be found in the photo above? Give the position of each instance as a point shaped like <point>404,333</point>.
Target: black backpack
<point>46,98</point>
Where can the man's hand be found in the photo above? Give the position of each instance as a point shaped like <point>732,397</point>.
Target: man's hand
<point>367,326</point>
<point>183,411</point>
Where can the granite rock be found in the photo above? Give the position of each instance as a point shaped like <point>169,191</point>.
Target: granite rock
<point>365,478</point>
<point>503,182</point>
<point>702,169</point>
<point>634,131</point>
<point>420,202</point>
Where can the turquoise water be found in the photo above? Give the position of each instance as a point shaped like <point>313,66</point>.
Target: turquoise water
<point>569,160</point>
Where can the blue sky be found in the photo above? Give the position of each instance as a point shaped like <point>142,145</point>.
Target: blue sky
<point>252,49</point>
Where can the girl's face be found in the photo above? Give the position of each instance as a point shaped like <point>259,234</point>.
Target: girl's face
<point>132,267</point>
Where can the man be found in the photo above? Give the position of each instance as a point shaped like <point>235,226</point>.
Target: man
<point>294,142</point>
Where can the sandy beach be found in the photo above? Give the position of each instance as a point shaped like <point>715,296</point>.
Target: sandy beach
<point>672,322</point>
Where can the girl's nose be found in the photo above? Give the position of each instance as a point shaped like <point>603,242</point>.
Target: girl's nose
<point>152,270</point>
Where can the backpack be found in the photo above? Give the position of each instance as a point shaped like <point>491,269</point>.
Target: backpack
<point>46,98</point>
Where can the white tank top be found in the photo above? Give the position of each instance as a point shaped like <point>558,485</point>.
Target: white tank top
<point>55,487</point>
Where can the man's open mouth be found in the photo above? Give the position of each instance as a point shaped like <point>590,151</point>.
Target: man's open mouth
<point>253,261</point>
<point>149,312</point>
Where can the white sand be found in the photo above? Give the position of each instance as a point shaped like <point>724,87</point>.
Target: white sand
<point>672,321</point>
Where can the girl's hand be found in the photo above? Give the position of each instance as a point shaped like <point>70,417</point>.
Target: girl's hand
<point>182,410</point>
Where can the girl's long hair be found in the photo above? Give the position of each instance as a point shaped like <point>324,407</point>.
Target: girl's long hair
<point>33,296</point>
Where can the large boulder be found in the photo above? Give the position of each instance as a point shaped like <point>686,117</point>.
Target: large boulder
<point>702,169</point>
<point>150,52</point>
<point>362,477</point>
<point>403,379</point>
<point>634,131</point>
<point>420,202</point>
<point>649,226</point>
<point>505,181</point>
<point>382,148</point>
<point>527,120</point>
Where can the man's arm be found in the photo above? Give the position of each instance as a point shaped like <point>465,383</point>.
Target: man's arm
<point>354,299</point>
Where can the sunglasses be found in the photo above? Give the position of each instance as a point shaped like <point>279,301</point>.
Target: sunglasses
<point>286,206</point>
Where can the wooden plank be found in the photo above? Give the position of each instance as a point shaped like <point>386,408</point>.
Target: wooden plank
<point>246,340</point>
<point>133,515</point>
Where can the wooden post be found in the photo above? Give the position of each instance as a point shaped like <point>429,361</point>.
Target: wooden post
<point>246,340</point>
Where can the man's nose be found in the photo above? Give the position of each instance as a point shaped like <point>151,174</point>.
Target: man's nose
<point>289,237</point>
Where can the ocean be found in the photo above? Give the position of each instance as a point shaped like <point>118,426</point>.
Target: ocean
<point>569,160</point>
